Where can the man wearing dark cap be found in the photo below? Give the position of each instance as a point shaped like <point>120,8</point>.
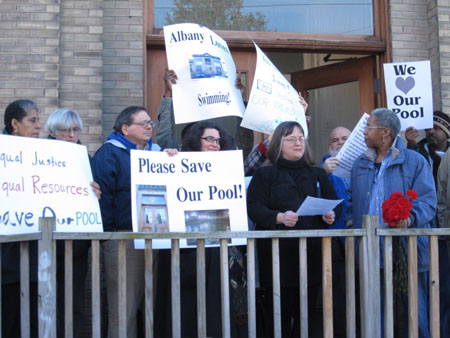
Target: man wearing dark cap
<point>435,144</point>
<point>433,148</point>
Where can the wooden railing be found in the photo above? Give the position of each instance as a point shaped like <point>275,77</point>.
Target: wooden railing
<point>369,278</point>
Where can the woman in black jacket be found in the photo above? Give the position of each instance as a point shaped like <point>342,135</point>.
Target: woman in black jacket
<point>274,194</point>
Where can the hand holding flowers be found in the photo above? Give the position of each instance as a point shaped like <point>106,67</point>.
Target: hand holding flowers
<point>397,208</point>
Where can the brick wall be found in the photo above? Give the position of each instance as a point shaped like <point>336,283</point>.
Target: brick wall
<point>29,53</point>
<point>123,58</point>
<point>81,54</point>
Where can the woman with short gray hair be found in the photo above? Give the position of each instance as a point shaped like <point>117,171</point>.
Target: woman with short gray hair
<point>64,124</point>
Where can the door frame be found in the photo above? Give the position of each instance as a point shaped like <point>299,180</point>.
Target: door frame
<point>362,70</point>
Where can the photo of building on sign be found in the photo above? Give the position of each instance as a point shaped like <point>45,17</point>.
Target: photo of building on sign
<point>206,66</point>
<point>151,201</point>
<point>206,221</point>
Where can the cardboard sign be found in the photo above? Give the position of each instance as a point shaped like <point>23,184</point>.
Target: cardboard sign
<point>206,74</point>
<point>409,93</point>
<point>46,178</point>
<point>272,100</point>
<point>189,192</point>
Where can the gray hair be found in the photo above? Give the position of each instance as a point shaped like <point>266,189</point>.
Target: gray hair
<point>63,118</point>
<point>386,118</point>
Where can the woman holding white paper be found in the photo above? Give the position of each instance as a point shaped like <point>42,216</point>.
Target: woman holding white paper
<point>274,194</point>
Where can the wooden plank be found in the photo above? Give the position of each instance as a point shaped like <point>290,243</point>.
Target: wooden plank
<point>148,257</point>
<point>175,271</point>
<point>225,287</point>
<point>412,288</point>
<point>68,288</point>
<point>434,287</point>
<point>47,279</point>
<point>369,268</point>
<point>327,288</point>
<point>201,289</point>
<point>388,289</point>
<point>95,296</point>
<point>122,286</point>
<point>350,286</point>
<point>251,285</point>
<point>276,287</point>
<point>303,261</point>
<point>25,289</point>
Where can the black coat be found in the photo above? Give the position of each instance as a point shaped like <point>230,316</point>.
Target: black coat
<point>279,188</point>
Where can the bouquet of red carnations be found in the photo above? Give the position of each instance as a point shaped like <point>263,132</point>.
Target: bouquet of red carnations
<point>397,207</point>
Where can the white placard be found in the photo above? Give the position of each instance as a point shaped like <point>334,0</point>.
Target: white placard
<point>190,192</point>
<point>352,148</point>
<point>272,100</point>
<point>409,93</point>
<point>206,74</point>
<point>50,178</point>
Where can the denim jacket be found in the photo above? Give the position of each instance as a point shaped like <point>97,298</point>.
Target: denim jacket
<point>407,170</point>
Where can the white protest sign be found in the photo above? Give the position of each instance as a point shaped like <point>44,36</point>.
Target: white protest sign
<point>189,192</point>
<point>46,178</point>
<point>352,148</point>
<point>409,93</point>
<point>206,74</point>
<point>272,100</point>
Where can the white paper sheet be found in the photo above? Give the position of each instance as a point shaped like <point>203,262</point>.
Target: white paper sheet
<point>317,206</point>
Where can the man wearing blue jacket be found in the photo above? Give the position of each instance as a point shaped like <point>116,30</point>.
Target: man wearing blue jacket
<point>111,167</point>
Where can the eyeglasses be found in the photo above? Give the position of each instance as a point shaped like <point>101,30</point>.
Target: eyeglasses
<point>294,140</point>
<point>75,130</point>
<point>211,139</point>
<point>145,124</point>
<point>367,127</point>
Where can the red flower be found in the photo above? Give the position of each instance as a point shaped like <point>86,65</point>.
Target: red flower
<point>397,207</point>
<point>412,194</point>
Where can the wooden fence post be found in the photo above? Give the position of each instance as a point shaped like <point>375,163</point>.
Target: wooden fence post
<point>47,278</point>
<point>369,271</point>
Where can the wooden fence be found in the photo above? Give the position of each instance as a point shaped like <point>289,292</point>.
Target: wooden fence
<point>369,278</point>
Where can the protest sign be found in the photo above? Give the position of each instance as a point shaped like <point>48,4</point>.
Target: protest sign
<point>189,192</point>
<point>46,178</point>
<point>409,93</point>
<point>206,74</point>
<point>272,100</point>
<point>352,148</point>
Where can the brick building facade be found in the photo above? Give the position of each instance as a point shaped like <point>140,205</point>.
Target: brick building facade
<point>89,54</point>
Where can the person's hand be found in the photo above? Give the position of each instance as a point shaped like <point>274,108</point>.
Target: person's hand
<point>238,84</point>
<point>330,164</point>
<point>96,189</point>
<point>170,78</point>
<point>171,152</point>
<point>411,135</point>
<point>402,224</point>
<point>302,101</point>
<point>288,218</point>
<point>329,218</point>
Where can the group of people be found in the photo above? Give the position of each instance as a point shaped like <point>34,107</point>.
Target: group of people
<point>284,175</point>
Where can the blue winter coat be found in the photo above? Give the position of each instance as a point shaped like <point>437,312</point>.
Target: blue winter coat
<point>407,170</point>
<point>112,171</point>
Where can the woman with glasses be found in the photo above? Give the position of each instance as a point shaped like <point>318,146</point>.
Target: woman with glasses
<point>65,125</point>
<point>21,119</point>
<point>200,136</point>
<point>387,167</point>
<point>274,194</point>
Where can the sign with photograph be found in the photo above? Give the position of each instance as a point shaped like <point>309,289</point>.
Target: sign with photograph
<point>272,100</point>
<point>409,93</point>
<point>189,192</point>
<point>206,73</point>
<point>46,178</point>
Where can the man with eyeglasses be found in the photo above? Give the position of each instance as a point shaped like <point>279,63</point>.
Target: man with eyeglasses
<point>111,167</point>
